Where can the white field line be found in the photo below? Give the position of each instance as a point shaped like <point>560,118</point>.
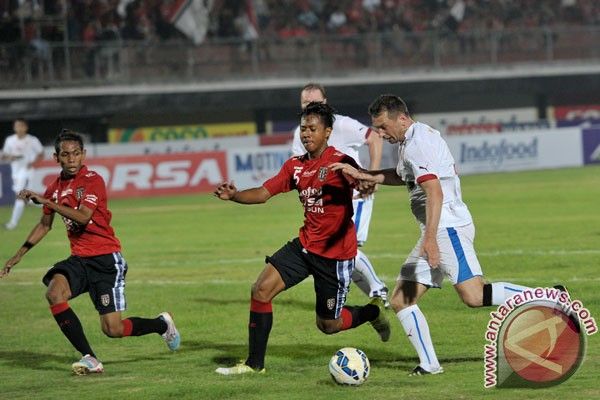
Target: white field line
<point>220,282</point>
<point>158,282</point>
<point>501,253</point>
<point>164,208</point>
<point>401,257</point>
<point>517,252</point>
<point>260,260</point>
<point>200,261</point>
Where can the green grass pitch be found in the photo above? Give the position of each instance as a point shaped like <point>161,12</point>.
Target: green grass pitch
<point>197,256</point>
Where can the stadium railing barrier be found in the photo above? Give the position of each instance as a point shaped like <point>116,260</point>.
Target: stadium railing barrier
<point>43,63</point>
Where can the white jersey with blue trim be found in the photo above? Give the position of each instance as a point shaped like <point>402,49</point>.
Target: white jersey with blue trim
<point>425,155</point>
<point>348,136</point>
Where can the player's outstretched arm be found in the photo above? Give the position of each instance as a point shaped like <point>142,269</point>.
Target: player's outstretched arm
<point>383,176</point>
<point>228,191</point>
<point>38,232</point>
<point>354,173</point>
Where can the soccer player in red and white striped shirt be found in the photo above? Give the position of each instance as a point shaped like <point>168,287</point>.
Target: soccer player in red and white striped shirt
<point>325,247</point>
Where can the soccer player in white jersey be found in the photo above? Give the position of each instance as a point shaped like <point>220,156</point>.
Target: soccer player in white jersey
<point>348,136</point>
<point>445,247</point>
<point>23,151</point>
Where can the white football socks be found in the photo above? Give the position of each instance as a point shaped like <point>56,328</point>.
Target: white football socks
<point>417,330</point>
<point>365,277</point>
<point>504,290</point>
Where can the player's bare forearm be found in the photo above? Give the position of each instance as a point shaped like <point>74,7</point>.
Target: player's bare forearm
<point>41,229</point>
<point>368,178</point>
<point>433,211</point>
<point>433,206</point>
<point>228,191</point>
<point>391,178</point>
<point>386,177</point>
<point>375,144</point>
<point>257,195</point>
<point>35,236</point>
<point>82,215</point>
<point>352,172</point>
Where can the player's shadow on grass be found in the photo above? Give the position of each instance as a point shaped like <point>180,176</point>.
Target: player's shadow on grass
<point>292,303</point>
<point>31,360</point>
<point>409,363</point>
<point>232,353</point>
<point>134,359</point>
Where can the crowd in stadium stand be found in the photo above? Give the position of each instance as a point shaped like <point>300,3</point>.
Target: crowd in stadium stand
<point>94,20</point>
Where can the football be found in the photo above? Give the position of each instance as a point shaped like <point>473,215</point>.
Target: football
<point>349,366</point>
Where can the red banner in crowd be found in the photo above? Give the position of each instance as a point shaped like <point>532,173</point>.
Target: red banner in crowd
<point>581,112</point>
<point>155,175</point>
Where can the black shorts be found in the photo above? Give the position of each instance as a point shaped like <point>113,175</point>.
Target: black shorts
<point>331,277</point>
<point>102,276</point>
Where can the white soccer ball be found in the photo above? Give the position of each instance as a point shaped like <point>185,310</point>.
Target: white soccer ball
<point>349,366</point>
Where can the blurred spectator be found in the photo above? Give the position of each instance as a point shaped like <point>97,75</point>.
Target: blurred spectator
<point>134,26</point>
<point>144,19</point>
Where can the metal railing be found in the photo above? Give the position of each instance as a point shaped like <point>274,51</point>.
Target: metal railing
<point>43,64</point>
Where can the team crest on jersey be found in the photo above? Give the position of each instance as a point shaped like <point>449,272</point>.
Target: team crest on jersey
<point>79,192</point>
<point>330,303</point>
<point>322,173</point>
<point>105,300</point>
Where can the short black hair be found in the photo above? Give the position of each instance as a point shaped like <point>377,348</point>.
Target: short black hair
<point>315,86</point>
<point>67,135</point>
<point>323,110</point>
<point>21,119</point>
<point>390,103</point>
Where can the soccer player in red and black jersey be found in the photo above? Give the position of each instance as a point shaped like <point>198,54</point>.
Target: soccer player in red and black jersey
<point>95,266</point>
<point>325,247</point>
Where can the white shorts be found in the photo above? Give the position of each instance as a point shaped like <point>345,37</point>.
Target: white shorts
<point>458,260</point>
<point>20,179</point>
<point>363,208</point>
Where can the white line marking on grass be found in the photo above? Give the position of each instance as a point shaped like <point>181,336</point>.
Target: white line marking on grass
<point>219,282</point>
<point>238,260</point>
<point>518,252</point>
<point>165,208</point>
<point>497,253</point>
<point>166,282</point>
<point>188,282</point>
<point>196,261</point>
<point>399,256</point>
<point>199,261</point>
